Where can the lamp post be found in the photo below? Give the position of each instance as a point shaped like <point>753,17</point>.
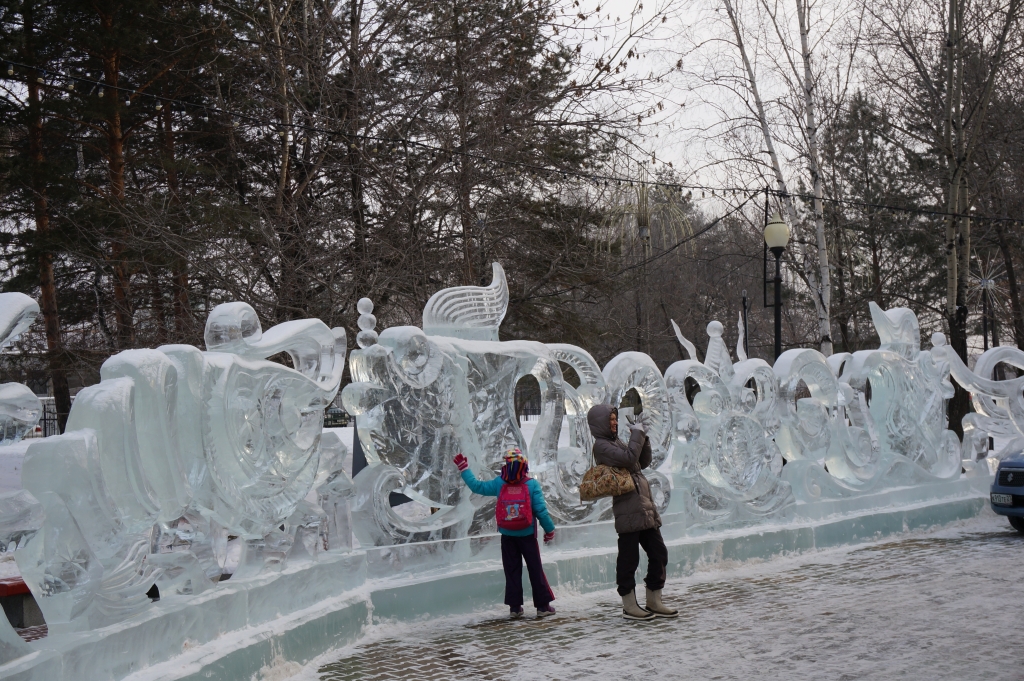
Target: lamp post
<point>776,236</point>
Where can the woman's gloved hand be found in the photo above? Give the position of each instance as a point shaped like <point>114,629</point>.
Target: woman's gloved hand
<point>461,462</point>
<point>639,422</point>
<point>549,536</point>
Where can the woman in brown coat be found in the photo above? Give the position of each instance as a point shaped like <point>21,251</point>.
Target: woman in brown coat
<point>636,517</point>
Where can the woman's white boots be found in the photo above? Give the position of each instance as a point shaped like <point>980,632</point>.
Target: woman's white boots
<point>656,607</point>
<point>631,610</point>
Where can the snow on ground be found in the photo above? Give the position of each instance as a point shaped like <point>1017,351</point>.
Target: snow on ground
<point>936,605</point>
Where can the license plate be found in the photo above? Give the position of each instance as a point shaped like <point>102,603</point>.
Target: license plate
<point>1002,499</point>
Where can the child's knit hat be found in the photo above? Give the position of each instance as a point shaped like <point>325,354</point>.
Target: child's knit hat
<point>516,469</point>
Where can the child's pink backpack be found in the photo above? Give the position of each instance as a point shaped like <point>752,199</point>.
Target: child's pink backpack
<point>514,510</point>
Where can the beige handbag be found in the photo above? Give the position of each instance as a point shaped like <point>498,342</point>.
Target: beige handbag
<point>605,481</point>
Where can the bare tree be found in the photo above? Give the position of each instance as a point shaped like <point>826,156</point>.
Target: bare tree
<point>945,90</point>
<point>796,80</point>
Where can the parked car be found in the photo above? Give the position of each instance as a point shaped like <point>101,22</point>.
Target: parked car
<point>1007,493</point>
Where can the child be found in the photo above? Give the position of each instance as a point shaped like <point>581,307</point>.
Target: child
<point>520,503</point>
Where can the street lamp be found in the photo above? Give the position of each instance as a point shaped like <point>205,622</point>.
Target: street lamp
<point>776,236</point>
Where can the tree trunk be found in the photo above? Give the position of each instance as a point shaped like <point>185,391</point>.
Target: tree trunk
<point>115,171</point>
<point>1011,280</point>
<point>41,214</point>
<point>823,296</point>
<point>465,179</point>
<point>183,321</point>
<point>956,312</point>
<point>352,116</point>
<point>762,118</point>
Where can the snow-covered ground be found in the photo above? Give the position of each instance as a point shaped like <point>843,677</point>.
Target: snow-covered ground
<point>938,605</point>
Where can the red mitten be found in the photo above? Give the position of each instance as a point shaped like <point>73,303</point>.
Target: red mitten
<point>549,536</point>
<point>461,462</point>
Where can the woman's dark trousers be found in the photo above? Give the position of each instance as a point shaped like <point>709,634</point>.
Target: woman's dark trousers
<point>629,560</point>
<point>513,551</point>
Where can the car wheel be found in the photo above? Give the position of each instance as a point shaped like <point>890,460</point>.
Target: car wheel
<point>1016,523</point>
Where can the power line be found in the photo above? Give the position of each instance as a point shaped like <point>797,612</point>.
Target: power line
<point>533,169</point>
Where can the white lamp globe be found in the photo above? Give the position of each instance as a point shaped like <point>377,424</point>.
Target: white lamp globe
<point>776,232</point>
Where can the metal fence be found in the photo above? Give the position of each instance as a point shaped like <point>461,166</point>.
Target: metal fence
<point>47,425</point>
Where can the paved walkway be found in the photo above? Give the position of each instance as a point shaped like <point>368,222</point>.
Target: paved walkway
<point>942,605</point>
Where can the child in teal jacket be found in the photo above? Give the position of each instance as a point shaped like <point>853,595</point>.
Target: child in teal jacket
<point>518,545</point>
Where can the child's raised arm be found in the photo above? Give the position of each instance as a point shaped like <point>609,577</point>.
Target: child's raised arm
<point>487,488</point>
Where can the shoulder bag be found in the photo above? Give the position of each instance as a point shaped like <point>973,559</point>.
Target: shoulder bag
<point>605,481</point>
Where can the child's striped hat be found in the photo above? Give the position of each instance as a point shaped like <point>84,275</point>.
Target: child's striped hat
<point>516,467</point>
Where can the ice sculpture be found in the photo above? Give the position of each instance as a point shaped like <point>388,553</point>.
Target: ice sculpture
<point>723,455</point>
<point>563,482</point>
<point>334,492</point>
<point>172,452</point>
<point>998,404</point>
<point>421,396</point>
<point>21,516</point>
<point>898,397</point>
<point>815,424</point>
<point>183,465</point>
<point>20,409</point>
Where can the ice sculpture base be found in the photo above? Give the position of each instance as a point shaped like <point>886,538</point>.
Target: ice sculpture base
<point>273,624</point>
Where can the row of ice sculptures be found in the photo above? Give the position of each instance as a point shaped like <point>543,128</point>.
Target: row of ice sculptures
<point>179,457</point>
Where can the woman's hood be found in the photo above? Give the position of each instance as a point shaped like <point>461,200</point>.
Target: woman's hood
<point>597,419</point>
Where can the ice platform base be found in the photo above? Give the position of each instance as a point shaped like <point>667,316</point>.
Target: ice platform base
<point>270,626</point>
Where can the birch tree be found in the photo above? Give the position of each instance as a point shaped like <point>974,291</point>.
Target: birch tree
<point>795,68</point>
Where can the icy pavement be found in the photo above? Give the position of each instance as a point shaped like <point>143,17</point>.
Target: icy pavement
<point>940,605</point>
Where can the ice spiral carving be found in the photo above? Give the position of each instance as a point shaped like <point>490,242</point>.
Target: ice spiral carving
<point>899,394</point>
<point>998,404</point>
<point>816,425</point>
<point>723,455</point>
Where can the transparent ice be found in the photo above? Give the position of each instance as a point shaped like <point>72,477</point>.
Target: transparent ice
<point>20,519</point>
<point>725,462</point>
<point>422,396</point>
<point>898,396</point>
<point>20,409</point>
<point>998,404</point>
<point>172,453</point>
<point>184,465</point>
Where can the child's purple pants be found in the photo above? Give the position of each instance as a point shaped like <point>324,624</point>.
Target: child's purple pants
<point>513,551</point>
